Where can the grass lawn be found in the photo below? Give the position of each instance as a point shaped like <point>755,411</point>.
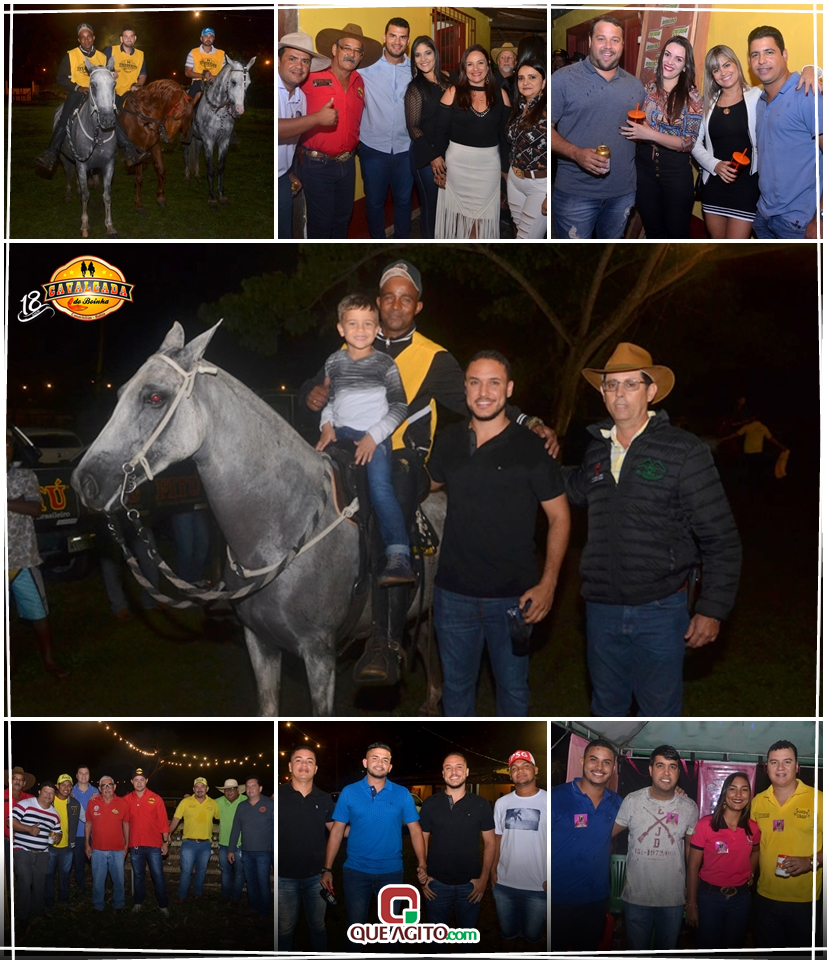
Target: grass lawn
<point>184,663</point>
<point>38,209</point>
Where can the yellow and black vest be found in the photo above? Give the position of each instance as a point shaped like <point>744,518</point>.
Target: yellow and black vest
<point>79,74</point>
<point>207,61</point>
<point>128,66</point>
<point>414,362</point>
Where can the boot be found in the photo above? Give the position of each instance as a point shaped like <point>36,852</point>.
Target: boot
<point>44,165</point>
<point>379,665</point>
<point>398,570</point>
<point>133,155</point>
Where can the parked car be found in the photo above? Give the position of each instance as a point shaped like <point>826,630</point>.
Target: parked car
<point>55,445</point>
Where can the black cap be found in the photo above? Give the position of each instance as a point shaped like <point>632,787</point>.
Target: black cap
<point>402,268</point>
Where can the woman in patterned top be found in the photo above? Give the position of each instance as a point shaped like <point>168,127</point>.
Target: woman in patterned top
<point>528,171</point>
<point>673,107</point>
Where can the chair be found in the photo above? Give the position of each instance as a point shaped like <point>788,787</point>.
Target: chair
<point>617,868</point>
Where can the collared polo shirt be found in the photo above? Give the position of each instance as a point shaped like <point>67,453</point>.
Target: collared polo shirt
<point>787,829</point>
<point>588,110</point>
<point>454,848</point>
<point>383,125</point>
<point>227,813</point>
<point>787,153</point>
<point>30,812</point>
<point>107,820</point>
<point>291,106</point>
<point>618,450</point>
<point>302,831</point>
<point>581,838</point>
<point>318,89</point>
<point>147,818</point>
<point>374,844</point>
<point>197,817</point>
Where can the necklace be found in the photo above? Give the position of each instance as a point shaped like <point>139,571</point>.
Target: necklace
<point>726,107</point>
<point>473,108</point>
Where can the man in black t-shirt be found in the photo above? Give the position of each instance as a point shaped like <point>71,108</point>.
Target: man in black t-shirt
<point>452,822</point>
<point>305,816</point>
<point>486,588</point>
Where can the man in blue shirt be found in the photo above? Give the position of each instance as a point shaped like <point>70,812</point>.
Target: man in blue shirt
<point>789,207</point>
<point>383,152</point>
<point>375,808</point>
<point>582,817</point>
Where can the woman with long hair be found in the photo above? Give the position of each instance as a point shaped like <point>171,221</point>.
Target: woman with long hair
<point>528,164</point>
<point>471,136</point>
<point>673,107</point>
<point>723,859</point>
<point>428,82</point>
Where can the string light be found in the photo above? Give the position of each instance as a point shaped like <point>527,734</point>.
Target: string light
<point>307,737</point>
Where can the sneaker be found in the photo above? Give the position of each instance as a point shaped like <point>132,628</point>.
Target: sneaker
<point>164,911</point>
<point>397,570</point>
<point>137,908</point>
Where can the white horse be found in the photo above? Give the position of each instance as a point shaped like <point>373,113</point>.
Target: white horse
<point>270,493</point>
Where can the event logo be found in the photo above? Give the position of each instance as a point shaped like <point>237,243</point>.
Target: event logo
<point>86,288</point>
<point>399,910</point>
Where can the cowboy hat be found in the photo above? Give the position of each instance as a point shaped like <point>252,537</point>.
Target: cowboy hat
<point>627,356</point>
<point>233,785</point>
<point>303,41</point>
<point>28,778</point>
<point>507,47</point>
<point>373,48</point>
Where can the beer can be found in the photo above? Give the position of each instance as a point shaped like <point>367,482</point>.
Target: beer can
<point>606,153</point>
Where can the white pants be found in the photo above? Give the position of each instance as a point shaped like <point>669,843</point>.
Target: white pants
<point>525,198</point>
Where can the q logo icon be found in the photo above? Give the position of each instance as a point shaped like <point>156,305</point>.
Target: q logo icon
<point>398,891</point>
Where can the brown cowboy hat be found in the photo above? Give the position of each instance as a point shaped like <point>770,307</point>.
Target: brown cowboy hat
<point>508,47</point>
<point>628,356</point>
<point>28,778</point>
<point>326,38</point>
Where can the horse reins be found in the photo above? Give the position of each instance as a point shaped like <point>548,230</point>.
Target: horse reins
<point>179,106</point>
<point>95,140</point>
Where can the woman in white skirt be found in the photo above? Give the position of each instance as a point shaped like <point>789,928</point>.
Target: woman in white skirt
<point>528,164</point>
<point>471,136</point>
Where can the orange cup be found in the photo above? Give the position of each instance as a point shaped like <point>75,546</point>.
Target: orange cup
<point>636,116</point>
<point>739,160</point>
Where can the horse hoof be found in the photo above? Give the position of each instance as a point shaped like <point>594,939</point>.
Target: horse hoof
<point>223,201</point>
<point>140,210</point>
<point>162,204</point>
<point>113,236</point>
<point>84,233</point>
<point>213,204</point>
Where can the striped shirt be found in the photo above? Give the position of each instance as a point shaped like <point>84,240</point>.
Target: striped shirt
<point>365,394</point>
<point>30,812</point>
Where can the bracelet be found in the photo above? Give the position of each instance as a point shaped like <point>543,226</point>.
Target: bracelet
<point>534,422</point>
<point>690,904</point>
<point>326,870</point>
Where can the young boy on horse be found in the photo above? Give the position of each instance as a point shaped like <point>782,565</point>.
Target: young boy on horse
<point>366,404</point>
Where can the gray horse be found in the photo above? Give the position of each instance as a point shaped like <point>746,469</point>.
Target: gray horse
<point>90,143</point>
<point>269,492</point>
<point>215,116</point>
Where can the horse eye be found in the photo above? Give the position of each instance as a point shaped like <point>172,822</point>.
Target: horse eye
<point>155,399</point>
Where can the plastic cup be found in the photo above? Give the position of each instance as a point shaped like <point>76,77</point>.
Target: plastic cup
<point>739,160</point>
<point>636,116</point>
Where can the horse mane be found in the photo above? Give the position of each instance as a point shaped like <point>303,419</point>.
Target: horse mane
<point>158,93</point>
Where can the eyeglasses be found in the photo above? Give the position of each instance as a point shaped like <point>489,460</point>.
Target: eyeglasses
<point>630,386</point>
<point>356,51</point>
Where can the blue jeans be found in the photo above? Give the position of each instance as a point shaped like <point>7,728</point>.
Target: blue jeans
<point>292,894</point>
<point>328,193</point>
<point>522,913</point>
<point>464,625</point>
<point>257,865</point>
<point>637,651</point>
<point>448,895</point>
<point>640,921</point>
<point>285,208</point>
<point>778,228</point>
<point>232,874</point>
<point>380,171</point>
<point>722,921</point>
<point>780,923</point>
<point>111,862</point>
<point>191,530</point>
<point>151,856</point>
<point>193,854</point>
<point>579,218</point>
<point>79,860</point>
<point>60,860</point>
<point>388,512</point>
<point>360,888</point>
<point>428,193</point>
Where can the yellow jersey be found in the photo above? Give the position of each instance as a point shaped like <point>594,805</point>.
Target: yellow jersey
<point>128,66</point>
<point>212,61</point>
<point>79,74</point>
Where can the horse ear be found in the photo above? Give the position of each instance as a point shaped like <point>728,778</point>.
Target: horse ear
<point>110,63</point>
<point>250,63</point>
<point>174,339</point>
<point>89,65</point>
<point>196,348</point>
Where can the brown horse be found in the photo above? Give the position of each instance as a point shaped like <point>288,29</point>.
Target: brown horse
<point>155,113</point>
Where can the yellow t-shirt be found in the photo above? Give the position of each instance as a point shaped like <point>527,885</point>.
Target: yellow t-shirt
<point>787,829</point>
<point>128,66</point>
<point>201,61</point>
<point>79,74</point>
<point>197,817</point>
<point>62,812</point>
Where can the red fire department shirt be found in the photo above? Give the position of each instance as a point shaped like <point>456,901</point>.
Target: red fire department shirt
<point>319,88</point>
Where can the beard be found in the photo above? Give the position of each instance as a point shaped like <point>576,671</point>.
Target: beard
<point>491,415</point>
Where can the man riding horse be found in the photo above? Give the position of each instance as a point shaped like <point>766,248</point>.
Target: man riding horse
<point>429,375</point>
<point>73,76</point>
<point>130,65</point>
<point>203,63</point>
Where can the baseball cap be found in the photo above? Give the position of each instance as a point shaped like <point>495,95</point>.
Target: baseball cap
<point>521,755</point>
<point>401,268</point>
<point>64,776</point>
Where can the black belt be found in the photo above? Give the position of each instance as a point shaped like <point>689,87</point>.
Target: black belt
<point>725,891</point>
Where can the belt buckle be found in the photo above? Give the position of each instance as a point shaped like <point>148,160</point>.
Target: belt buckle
<point>729,891</point>
<point>342,157</point>
<point>520,174</point>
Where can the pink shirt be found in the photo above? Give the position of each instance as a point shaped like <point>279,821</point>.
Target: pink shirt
<point>726,853</point>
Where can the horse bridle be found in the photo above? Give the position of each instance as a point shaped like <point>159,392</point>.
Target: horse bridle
<point>220,106</point>
<point>179,106</point>
<point>92,109</point>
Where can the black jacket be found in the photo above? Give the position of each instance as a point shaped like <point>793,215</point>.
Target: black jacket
<point>667,514</point>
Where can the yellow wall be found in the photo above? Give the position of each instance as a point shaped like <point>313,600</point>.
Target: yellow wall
<point>372,20</point>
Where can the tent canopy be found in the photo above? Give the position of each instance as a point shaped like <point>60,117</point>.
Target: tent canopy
<point>743,740</point>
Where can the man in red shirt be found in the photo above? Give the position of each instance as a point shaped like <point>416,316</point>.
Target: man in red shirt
<point>107,842</point>
<point>327,164</point>
<point>20,782</point>
<point>149,841</point>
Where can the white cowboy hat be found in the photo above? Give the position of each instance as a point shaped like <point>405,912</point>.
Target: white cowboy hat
<point>304,42</point>
<point>232,785</point>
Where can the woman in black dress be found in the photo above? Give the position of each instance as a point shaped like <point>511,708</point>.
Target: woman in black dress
<point>729,195</point>
<point>422,98</point>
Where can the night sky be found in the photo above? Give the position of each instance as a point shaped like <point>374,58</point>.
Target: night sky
<point>417,746</point>
<point>39,41</point>
<point>50,748</point>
